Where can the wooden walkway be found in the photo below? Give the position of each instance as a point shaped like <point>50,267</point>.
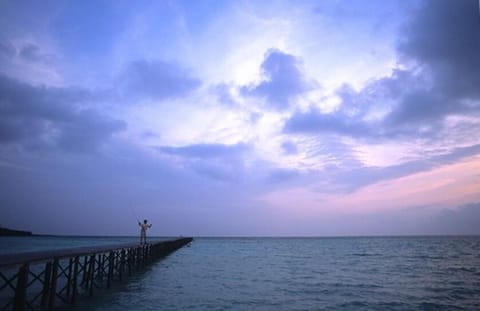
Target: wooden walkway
<point>29,281</point>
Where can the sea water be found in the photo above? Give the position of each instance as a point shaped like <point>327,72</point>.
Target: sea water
<point>341,273</point>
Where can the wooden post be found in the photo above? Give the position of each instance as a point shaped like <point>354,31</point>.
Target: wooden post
<point>134,258</point>
<point>91,270</point>
<point>129,261</point>
<point>140,255</point>
<point>53,287</point>
<point>110,268</point>
<point>101,266</point>
<point>69,276</point>
<point>98,258</point>
<point>21,288</point>
<point>74,281</point>
<point>122,264</point>
<point>46,283</point>
<point>85,270</point>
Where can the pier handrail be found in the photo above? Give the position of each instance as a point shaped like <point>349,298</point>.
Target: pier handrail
<point>39,256</point>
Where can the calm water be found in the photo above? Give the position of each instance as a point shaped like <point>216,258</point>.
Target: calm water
<point>364,273</point>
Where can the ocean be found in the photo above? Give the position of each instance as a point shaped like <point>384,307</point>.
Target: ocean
<point>331,273</point>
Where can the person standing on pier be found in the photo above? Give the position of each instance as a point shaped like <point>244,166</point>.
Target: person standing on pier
<point>143,231</point>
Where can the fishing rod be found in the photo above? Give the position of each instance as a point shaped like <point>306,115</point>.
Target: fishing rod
<point>134,214</point>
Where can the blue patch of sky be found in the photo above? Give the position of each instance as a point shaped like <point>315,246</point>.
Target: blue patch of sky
<point>89,27</point>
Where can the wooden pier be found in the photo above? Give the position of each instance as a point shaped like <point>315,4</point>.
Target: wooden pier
<point>43,280</point>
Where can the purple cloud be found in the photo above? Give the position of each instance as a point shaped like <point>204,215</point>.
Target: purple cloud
<point>442,40</point>
<point>315,122</point>
<point>51,118</point>
<point>284,80</point>
<point>216,161</point>
<point>157,80</point>
<point>205,151</point>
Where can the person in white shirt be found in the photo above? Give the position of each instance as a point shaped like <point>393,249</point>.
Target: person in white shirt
<point>143,231</point>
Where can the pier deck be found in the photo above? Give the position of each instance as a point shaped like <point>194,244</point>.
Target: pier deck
<point>45,279</point>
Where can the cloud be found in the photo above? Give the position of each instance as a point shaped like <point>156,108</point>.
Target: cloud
<point>342,173</point>
<point>462,220</point>
<point>7,49</point>
<point>420,106</point>
<point>214,170</point>
<point>205,151</point>
<point>284,80</point>
<point>27,52</point>
<point>51,117</point>
<point>106,186</point>
<point>440,39</point>
<point>350,179</point>
<point>281,175</point>
<point>88,131</point>
<point>445,36</point>
<point>420,220</point>
<point>224,95</point>
<point>31,53</point>
<point>216,161</point>
<point>289,147</point>
<point>156,80</point>
<point>315,122</point>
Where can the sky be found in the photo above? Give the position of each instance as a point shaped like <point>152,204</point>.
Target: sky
<point>240,118</point>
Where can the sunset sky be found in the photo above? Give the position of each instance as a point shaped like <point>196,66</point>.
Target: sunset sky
<point>240,118</point>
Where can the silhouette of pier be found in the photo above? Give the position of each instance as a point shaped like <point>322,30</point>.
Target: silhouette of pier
<point>43,280</point>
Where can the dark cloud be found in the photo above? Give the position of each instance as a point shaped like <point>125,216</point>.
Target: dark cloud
<point>31,53</point>
<point>28,52</point>
<point>443,39</point>
<point>157,80</point>
<point>445,36</point>
<point>420,106</point>
<point>284,80</point>
<point>51,117</point>
<point>205,151</point>
<point>88,131</point>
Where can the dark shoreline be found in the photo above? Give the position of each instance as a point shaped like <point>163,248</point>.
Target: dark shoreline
<point>13,232</point>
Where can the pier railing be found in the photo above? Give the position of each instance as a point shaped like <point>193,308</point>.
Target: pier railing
<point>29,281</point>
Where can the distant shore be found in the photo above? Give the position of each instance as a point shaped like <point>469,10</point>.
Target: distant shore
<point>13,232</point>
